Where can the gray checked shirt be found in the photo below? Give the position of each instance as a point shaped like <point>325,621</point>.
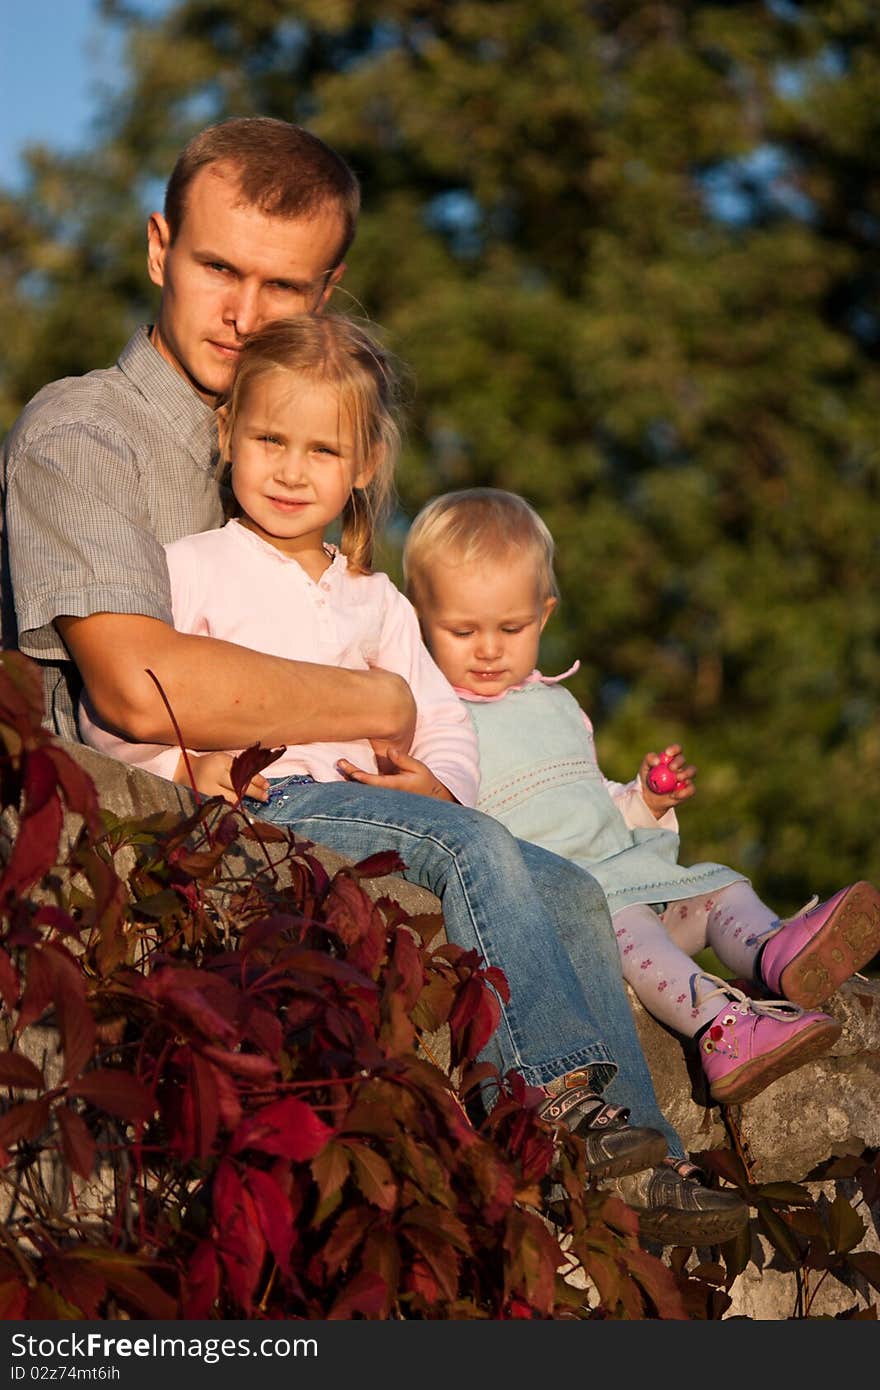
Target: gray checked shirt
<point>98,472</point>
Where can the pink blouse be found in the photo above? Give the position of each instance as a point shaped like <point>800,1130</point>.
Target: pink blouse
<point>231,584</point>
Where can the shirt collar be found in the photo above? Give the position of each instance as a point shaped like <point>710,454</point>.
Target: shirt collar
<point>167,393</point>
<point>536,678</point>
<point>338,564</point>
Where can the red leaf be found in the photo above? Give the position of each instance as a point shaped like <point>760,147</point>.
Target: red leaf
<point>867,1262</point>
<point>275,1214</point>
<point>367,1294</point>
<point>289,1128</point>
<point>25,1121</point>
<point>387,861</point>
<point>38,986</point>
<point>77,786</point>
<point>518,1308</point>
<point>76,1024</point>
<point>250,761</point>
<point>239,1237</point>
<point>498,980</point>
<point>202,1282</point>
<point>77,1143</point>
<point>373,1175</point>
<point>206,1105</point>
<point>54,976</point>
<point>440,1223</point>
<point>51,916</point>
<point>117,1092</point>
<point>190,1104</point>
<point>351,1228</point>
<point>475,1016</point>
<point>108,911</point>
<point>407,959</point>
<point>40,780</point>
<point>13,1300</point>
<point>439,1255</point>
<point>659,1282</point>
<point>535,1256</point>
<point>21,697</point>
<point>494,1179</point>
<point>188,999</point>
<point>35,849</point>
<point>78,1282</point>
<point>245,1064</point>
<point>349,911</point>
<point>421,1281</point>
<point>330,1169</point>
<point>129,1281</point>
<point>9,981</point>
<point>265,1031</point>
<point>17,1070</point>
<point>228,1100</point>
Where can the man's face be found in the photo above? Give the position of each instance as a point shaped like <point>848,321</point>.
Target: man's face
<point>230,270</point>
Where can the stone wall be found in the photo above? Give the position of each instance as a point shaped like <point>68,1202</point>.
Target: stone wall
<point>829,1107</point>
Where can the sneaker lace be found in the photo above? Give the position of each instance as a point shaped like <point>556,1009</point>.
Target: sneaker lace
<point>768,1008</point>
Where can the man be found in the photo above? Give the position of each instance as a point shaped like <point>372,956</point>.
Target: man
<point>100,471</point>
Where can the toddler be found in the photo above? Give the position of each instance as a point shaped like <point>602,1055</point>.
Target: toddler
<point>479,569</point>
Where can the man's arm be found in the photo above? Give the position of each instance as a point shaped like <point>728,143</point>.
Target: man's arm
<point>223,695</point>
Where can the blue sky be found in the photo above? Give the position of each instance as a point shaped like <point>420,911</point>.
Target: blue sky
<point>53,56</point>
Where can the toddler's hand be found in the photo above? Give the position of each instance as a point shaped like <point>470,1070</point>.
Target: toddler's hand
<point>406,774</point>
<point>682,774</point>
<point>212,777</point>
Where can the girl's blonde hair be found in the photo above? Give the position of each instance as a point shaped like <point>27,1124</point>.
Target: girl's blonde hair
<point>334,349</point>
<point>471,525</point>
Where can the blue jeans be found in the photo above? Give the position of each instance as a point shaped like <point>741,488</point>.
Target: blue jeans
<point>542,920</point>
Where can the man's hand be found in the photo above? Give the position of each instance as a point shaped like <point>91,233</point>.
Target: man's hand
<point>659,803</point>
<point>403,774</point>
<point>212,777</point>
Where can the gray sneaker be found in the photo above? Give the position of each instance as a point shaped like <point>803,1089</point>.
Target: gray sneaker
<point>675,1207</point>
<point>613,1146</point>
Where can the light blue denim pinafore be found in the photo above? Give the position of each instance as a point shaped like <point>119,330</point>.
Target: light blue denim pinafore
<point>540,778</point>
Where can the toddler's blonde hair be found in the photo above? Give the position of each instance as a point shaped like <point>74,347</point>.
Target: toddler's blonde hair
<point>334,349</point>
<point>476,524</point>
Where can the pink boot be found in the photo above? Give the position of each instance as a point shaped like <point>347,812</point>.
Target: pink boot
<point>812,954</point>
<point>750,1043</point>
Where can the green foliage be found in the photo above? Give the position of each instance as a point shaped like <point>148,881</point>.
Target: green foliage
<point>630,253</point>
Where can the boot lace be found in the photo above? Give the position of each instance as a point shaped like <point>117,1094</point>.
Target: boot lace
<point>768,1008</point>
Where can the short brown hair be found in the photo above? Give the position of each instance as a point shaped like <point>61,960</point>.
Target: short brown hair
<point>476,524</point>
<point>283,170</point>
<point>333,348</point>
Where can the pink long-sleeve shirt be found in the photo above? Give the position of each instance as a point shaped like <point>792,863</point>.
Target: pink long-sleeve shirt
<point>231,584</point>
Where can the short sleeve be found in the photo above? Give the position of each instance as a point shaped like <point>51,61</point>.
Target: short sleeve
<point>79,535</point>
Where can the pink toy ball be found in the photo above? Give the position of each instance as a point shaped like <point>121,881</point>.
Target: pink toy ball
<point>661,779</point>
